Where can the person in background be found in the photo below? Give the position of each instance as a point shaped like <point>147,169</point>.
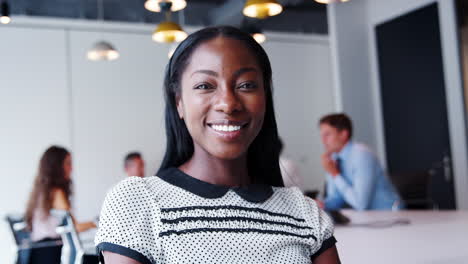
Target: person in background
<point>134,164</point>
<point>52,189</point>
<point>290,170</point>
<point>355,177</point>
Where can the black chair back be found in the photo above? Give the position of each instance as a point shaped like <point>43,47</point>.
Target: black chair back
<point>414,188</point>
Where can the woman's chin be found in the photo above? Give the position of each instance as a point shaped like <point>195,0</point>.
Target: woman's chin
<point>229,154</point>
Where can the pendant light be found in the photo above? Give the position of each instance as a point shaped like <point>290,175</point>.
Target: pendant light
<point>168,31</point>
<point>155,5</point>
<point>255,32</point>
<point>102,50</point>
<point>262,8</point>
<point>330,1</point>
<point>259,37</point>
<point>5,13</point>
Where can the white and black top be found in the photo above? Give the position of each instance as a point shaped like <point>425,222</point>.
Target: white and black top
<point>175,218</point>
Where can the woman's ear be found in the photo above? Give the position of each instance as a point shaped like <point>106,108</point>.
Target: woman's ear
<point>180,106</point>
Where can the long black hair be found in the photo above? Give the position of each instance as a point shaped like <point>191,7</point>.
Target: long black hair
<point>263,153</point>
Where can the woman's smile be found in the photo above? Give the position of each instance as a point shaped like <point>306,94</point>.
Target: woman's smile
<point>228,130</point>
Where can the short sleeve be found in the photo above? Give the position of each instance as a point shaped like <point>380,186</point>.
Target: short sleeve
<point>323,226</point>
<point>129,222</point>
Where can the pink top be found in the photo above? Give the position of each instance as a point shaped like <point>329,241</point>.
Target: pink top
<point>43,226</point>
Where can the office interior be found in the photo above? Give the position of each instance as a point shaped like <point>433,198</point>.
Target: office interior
<point>398,68</point>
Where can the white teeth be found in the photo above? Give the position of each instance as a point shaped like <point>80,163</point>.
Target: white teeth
<point>225,128</point>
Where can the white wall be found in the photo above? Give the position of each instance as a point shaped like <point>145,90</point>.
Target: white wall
<point>117,108</point>
<point>50,94</point>
<point>302,94</point>
<point>352,26</point>
<point>351,69</point>
<point>34,112</point>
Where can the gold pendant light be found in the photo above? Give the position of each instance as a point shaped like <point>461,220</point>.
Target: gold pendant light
<point>155,5</point>
<point>262,8</point>
<point>168,32</point>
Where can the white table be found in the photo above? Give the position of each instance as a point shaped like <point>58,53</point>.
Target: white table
<point>431,237</point>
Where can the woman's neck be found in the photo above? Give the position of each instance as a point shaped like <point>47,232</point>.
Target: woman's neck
<point>209,169</point>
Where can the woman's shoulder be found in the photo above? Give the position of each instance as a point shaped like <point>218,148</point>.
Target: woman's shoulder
<point>292,192</point>
<point>131,188</point>
<point>292,199</point>
<point>295,200</point>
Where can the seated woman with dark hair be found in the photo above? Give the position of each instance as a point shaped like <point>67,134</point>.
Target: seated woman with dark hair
<point>218,195</point>
<point>51,190</point>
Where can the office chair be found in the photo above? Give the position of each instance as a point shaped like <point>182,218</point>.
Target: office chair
<point>414,188</point>
<point>22,237</point>
<point>73,251</point>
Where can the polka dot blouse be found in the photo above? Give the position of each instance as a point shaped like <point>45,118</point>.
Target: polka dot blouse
<point>175,218</point>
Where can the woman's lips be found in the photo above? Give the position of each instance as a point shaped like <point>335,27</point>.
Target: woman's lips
<point>227,130</point>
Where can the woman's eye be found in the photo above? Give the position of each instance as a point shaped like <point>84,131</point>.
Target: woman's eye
<point>203,86</point>
<point>247,85</point>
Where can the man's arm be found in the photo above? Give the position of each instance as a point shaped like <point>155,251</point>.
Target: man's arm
<point>334,200</point>
<point>359,194</point>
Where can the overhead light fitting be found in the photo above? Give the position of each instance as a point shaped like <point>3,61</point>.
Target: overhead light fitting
<point>168,31</point>
<point>259,37</point>
<point>5,13</point>
<point>255,32</point>
<point>102,51</point>
<point>155,5</point>
<point>330,1</point>
<point>262,8</point>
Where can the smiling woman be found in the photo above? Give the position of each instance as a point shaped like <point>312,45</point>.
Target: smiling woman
<point>218,195</point>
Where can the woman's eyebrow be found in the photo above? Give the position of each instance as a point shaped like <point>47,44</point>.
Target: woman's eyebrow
<point>209,72</point>
<point>244,70</point>
<point>236,74</point>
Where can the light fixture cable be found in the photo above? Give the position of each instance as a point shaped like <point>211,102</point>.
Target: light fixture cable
<point>102,50</point>
<point>5,12</point>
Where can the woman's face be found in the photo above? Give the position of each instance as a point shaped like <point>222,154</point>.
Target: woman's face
<point>222,98</point>
<point>67,166</point>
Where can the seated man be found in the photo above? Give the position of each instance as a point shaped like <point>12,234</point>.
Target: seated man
<point>354,175</point>
<point>134,164</point>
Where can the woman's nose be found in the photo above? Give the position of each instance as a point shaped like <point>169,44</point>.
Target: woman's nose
<point>227,101</point>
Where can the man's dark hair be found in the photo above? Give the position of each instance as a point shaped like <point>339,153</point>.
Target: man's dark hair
<point>339,121</point>
<point>131,156</point>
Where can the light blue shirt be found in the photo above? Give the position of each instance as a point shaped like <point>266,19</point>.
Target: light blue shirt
<point>361,183</point>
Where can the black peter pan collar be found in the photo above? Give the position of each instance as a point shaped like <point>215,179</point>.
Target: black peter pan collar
<point>255,193</point>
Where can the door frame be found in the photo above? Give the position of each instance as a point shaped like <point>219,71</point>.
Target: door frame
<point>453,89</point>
